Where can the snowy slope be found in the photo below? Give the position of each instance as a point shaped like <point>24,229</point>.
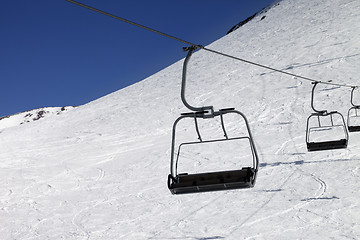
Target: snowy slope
<point>99,171</point>
<point>30,116</point>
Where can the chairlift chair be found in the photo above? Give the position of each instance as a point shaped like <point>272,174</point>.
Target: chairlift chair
<point>181,183</point>
<point>353,119</point>
<point>335,123</point>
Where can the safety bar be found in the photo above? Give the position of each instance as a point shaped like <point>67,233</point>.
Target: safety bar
<point>318,115</point>
<point>173,163</point>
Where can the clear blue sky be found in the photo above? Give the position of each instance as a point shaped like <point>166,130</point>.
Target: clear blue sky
<point>54,53</point>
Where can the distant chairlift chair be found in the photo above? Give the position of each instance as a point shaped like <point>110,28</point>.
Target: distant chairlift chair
<point>330,131</point>
<point>353,119</point>
<point>209,181</point>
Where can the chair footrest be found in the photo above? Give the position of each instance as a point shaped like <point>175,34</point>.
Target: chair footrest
<point>328,145</point>
<point>212,181</point>
<point>354,128</point>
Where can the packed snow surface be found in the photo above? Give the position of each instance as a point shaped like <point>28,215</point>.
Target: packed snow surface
<point>99,171</point>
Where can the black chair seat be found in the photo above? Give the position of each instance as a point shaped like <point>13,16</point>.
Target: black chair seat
<point>354,128</point>
<point>328,145</point>
<point>212,181</point>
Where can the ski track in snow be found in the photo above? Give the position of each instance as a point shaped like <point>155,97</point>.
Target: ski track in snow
<point>295,208</point>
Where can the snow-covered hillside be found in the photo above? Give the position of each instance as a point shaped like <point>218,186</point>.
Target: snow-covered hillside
<point>30,116</point>
<point>99,171</point>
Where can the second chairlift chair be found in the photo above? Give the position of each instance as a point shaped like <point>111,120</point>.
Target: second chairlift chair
<point>180,183</point>
<point>353,119</point>
<point>325,131</point>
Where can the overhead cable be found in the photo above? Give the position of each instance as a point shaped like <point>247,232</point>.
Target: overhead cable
<point>131,22</point>
<point>207,49</point>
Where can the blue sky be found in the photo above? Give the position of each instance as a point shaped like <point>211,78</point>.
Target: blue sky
<point>54,53</point>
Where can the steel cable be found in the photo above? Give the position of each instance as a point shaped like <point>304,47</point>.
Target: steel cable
<point>207,49</point>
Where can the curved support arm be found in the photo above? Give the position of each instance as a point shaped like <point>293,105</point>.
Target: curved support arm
<point>207,109</point>
<point>352,98</point>
<point>312,100</point>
